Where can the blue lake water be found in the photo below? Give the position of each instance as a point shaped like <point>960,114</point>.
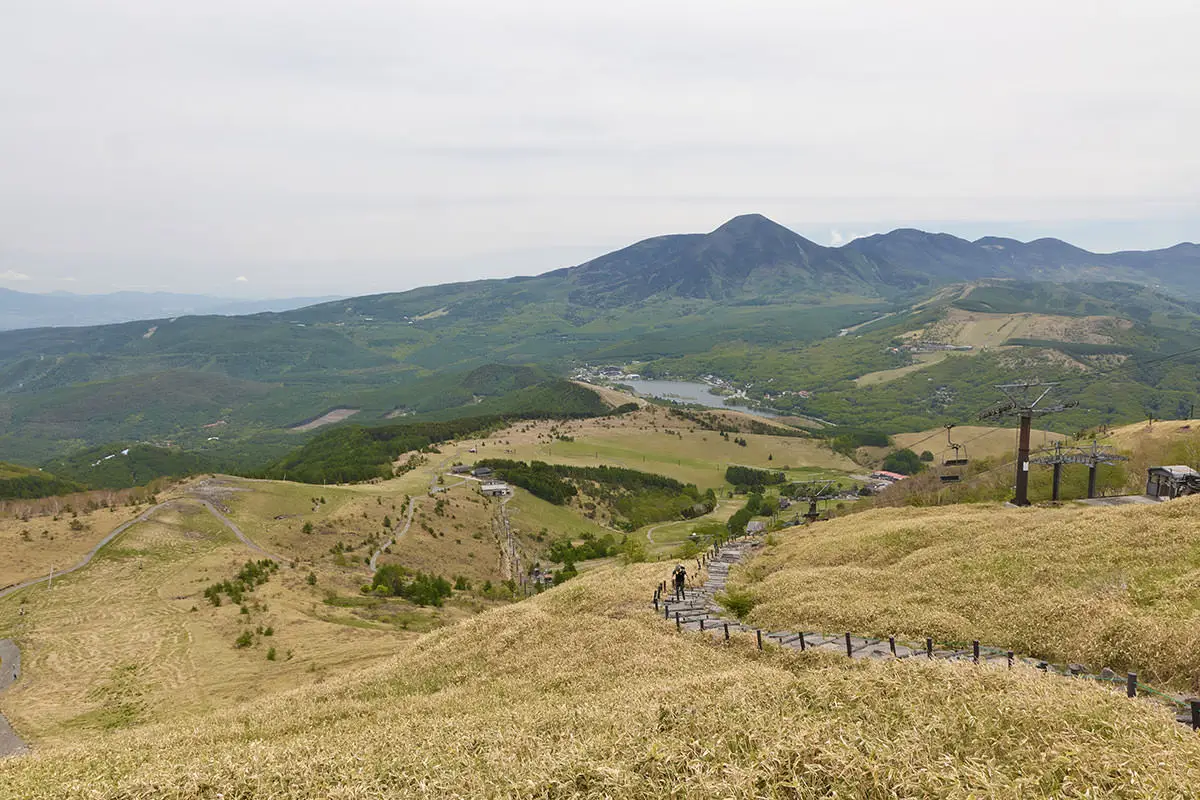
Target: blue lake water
<point>688,392</point>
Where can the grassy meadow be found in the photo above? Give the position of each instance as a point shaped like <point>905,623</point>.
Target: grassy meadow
<point>132,638</point>
<point>583,692</point>
<point>1105,587</point>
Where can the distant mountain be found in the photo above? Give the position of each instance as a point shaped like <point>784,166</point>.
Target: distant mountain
<point>744,300</point>
<point>752,257</point>
<point>24,310</point>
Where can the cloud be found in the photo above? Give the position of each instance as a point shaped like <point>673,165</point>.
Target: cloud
<point>837,238</point>
<point>241,279</point>
<point>13,275</point>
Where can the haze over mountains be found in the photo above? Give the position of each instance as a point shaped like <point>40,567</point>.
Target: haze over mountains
<point>751,301</point>
<point>28,310</point>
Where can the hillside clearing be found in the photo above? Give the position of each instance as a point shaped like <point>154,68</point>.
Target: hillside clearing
<point>328,418</point>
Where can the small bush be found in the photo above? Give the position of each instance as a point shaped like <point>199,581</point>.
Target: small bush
<point>739,602</point>
<point>271,654</point>
<point>244,640</point>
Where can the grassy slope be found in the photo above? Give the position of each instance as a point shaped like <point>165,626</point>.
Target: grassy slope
<point>537,700</point>
<point>117,644</point>
<point>1115,587</point>
<point>651,440</point>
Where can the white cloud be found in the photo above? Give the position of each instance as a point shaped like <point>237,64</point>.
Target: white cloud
<point>837,238</point>
<point>13,275</point>
<point>241,279</point>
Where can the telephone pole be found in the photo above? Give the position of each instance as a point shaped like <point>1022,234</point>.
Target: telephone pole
<point>1023,401</point>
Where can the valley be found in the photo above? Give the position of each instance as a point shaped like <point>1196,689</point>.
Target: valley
<point>397,518</point>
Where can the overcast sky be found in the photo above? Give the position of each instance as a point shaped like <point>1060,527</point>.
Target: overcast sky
<point>300,147</point>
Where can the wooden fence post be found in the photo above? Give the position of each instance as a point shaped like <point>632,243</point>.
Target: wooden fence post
<point>678,625</point>
<point>803,644</point>
<point>892,644</point>
<point>758,635</point>
<point>1195,704</point>
<point>849,649</point>
<point>975,651</point>
<point>727,631</point>
<point>1010,659</point>
<point>929,648</point>
<point>1131,684</point>
<point>702,624</point>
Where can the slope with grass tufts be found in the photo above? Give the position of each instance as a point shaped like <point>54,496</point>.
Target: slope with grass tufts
<point>1105,587</point>
<point>582,692</point>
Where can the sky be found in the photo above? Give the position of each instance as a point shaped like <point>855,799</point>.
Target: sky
<point>254,148</point>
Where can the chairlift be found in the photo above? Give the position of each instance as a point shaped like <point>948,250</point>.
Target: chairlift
<point>953,466</point>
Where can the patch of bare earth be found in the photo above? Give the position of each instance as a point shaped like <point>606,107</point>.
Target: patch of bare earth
<point>337,415</point>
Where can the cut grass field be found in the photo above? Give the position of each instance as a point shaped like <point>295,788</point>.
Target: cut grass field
<point>583,692</point>
<point>1104,587</point>
<point>131,638</point>
<point>651,440</point>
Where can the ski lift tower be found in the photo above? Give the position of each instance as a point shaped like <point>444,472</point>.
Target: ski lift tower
<point>1024,402</point>
<point>812,491</point>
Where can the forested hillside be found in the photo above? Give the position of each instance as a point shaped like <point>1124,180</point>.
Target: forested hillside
<point>751,302</point>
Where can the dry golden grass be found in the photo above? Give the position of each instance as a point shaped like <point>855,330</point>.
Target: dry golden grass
<point>131,638</point>
<point>581,692</point>
<point>32,546</point>
<point>981,441</point>
<point>1115,587</point>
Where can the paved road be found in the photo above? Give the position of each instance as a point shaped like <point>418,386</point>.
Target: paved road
<point>10,669</point>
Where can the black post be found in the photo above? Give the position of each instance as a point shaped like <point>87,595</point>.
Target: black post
<point>1092,480</point>
<point>678,625</point>
<point>727,631</point>
<point>666,610</point>
<point>702,624</point>
<point>1195,704</point>
<point>975,651</point>
<point>892,644</point>
<point>1010,659</point>
<point>849,649</point>
<point>803,644</point>
<point>758,635</point>
<point>1057,481</point>
<point>929,648</point>
<point>656,603</point>
<point>1022,498</point>
<point>1131,684</point>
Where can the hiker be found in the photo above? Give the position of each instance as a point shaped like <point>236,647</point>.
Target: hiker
<point>680,575</point>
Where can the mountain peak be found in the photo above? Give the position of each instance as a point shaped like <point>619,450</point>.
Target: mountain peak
<point>750,224</point>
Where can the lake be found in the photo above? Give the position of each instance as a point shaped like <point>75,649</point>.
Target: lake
<point>688,392</point>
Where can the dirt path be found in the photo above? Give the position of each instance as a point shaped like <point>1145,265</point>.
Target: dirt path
<point>412,507</point>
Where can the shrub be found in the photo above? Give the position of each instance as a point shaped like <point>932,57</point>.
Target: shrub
<point>271,654</point>
<point>311,580</point>
<point>740,602</point>
<point>244,640</point>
